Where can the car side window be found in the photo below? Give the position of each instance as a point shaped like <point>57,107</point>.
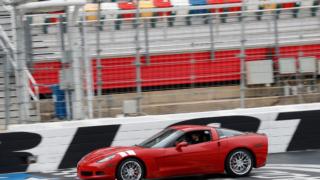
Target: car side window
<point>196,137</point>
<point>224,133</point>
<point>176,141</point>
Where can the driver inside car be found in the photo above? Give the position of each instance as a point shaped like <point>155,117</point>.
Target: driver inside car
<point>195,139</point>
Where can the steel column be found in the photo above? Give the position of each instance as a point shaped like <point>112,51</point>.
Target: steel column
<point>138,60</point>
<point>146,40</point>
<point>65,60</point>
<point>87,68</point>
<point>73,47</point>
<point>7,95</point>
<point>276,41</point>
<point>28,41</point>
<point>243,57</point>
<point>212,48</point>
<point>21,78</point>
<point>98,60</point>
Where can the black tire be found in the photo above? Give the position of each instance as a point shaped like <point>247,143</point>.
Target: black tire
<point>244,170</point>
<point>121,169</point>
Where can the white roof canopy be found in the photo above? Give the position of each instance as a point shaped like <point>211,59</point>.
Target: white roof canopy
<point>50,5</point>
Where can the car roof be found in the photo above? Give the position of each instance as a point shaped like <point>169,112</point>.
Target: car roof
<point>190,127</point>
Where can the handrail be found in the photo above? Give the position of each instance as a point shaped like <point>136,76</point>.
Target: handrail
<point>55,3</point>
<point>34,95</point>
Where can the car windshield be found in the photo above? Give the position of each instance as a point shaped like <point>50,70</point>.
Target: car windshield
<point>163,139</point>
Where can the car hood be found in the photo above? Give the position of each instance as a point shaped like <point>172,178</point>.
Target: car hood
<point>105,152</point>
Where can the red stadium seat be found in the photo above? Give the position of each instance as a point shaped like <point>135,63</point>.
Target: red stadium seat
<point>127,6</point>
<point>256,54</point>
<point>220,10</point>
<point>172,69</point>
<point>46,74</point>
<point>288,5</point>
<point>311,50</point>
<point>163,4</point>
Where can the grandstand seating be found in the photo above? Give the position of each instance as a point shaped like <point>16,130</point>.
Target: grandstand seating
<point>171,69</point>
<point>171,64</point>
<point>179,54</point>
<point>145,4</point>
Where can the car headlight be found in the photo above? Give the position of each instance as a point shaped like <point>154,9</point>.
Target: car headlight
<point>108,158</point>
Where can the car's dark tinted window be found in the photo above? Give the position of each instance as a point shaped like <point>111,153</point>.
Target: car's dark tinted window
<point>163,139</point>
<point>196,137</point>
<point>223,133</point>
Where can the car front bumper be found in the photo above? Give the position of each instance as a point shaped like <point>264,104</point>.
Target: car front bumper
<point>96,171</point>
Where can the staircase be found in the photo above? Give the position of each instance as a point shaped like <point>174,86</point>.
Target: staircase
<point>5,20</point>
<point>14,109</point>
<point>13,100</point>
<point>5,23</point>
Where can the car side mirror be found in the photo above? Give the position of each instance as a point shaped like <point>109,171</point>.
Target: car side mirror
<point>180,145</point>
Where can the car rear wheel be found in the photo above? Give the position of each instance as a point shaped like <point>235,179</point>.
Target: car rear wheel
<point>239,163</point>
<point>130,169</point>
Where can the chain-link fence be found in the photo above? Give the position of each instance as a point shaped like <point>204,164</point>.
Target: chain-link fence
<point>107,63</point>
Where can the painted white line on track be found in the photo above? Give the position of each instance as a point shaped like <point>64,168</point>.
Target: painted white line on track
<point>72,175</point>
<point>294,165</point>
<point>295,169</point>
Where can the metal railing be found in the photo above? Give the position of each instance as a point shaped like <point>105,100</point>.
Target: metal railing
<point>197,64</point>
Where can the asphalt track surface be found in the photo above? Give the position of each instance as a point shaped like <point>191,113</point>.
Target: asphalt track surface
<point>303,165</point>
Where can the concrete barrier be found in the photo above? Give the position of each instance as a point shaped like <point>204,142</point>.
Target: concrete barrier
<point>63,144</point>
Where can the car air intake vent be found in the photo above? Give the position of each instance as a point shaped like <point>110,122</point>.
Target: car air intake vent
<point>100,173</point>
<point>86,173</point>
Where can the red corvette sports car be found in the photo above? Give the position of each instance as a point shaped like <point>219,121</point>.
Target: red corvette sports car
<point>179,151</point>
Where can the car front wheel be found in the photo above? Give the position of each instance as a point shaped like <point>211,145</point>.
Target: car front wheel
<point>130,169</point>
<point>239,163</point>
